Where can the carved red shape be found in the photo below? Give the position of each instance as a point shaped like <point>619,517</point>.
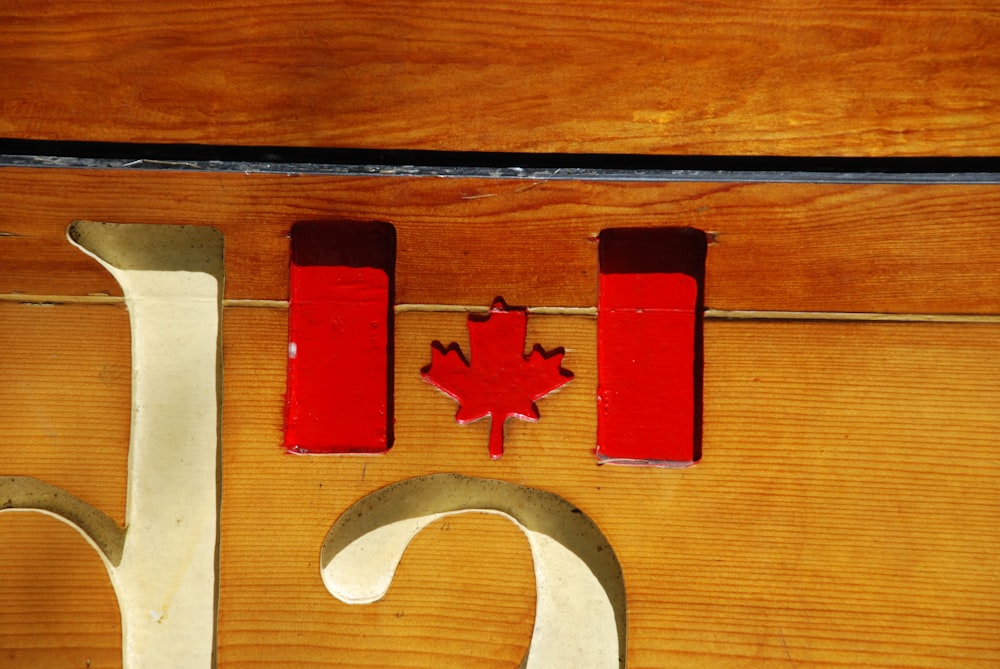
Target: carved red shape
<point>340,338</point>
<point>646,404</point>
<point>499,381</point>
<point>649,348</point>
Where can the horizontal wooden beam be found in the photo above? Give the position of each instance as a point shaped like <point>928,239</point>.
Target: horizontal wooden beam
<point>875,248</point>
<point>644,77</point>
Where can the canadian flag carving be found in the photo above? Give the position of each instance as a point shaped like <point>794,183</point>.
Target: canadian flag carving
<point>649,346</point>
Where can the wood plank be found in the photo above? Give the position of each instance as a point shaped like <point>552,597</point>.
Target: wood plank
<point>844,513</point>
<point>792,247</point>
<point>777,77</point>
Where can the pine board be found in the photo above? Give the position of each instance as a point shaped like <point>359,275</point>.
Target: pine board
<point>844,514</point>
<point>781,247</point>
<point>781,77</point>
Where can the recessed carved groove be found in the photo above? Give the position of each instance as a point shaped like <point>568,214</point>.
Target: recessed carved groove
<point>26,493</point>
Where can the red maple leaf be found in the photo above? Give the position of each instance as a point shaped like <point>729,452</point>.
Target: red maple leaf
<point>500,381</point>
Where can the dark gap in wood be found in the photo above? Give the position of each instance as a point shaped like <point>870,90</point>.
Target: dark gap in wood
<point>276,156</point>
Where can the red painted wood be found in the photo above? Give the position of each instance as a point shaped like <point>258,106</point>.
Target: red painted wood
<point>649,346</point>
<point>499,380</point>
<point>340,340</point>
<point>645,329</point>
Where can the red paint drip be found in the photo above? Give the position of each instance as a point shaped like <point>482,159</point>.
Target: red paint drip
<point>499,381</point>
<point>646,367</point>
<point>339,350</point>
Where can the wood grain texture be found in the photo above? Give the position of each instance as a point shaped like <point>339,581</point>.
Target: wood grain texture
<point>779,77</point>
<point>792,247</point>
<point>57,607</point>
<point>844,513</point>
<point>65,395</point>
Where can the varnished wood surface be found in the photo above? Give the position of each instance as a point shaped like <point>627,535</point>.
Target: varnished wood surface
<point>57,606</point>
<point>66,376</point>
<point>844,514</point>
<point>780,77</point>
<point>785,247</point>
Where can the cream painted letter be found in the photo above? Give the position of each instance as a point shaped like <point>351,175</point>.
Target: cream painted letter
<point>163,563</point>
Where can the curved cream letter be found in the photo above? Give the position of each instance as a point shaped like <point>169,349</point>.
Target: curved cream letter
<point>580,616</point>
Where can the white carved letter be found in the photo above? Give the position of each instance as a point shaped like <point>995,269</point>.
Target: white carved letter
<point>163,563</point>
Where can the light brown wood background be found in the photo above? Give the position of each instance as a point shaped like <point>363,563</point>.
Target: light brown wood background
<point>774,77</point>
<point>845,513</point>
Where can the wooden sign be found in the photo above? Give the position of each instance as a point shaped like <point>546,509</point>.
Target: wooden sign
<point>841,510</point>
<point>552,335</point>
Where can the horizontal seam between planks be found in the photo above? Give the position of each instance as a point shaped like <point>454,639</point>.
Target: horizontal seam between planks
<point>608,167</point>
<point>711,314</point>
<point>870,317</point>
<point>61,299</point>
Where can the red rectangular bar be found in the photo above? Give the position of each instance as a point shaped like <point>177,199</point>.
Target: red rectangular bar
<point>340,338</point>
<point>649,346</point>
